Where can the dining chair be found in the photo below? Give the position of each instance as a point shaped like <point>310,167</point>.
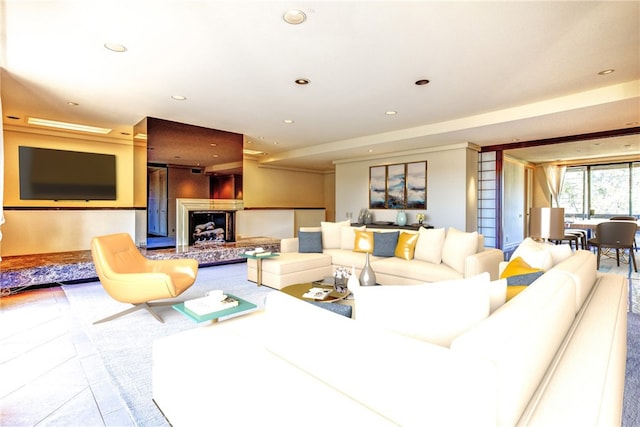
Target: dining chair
<point>615,235</point>
<point>626,218</point>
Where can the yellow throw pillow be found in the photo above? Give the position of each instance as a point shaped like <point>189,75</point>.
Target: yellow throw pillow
<point>406,245</point>
<point>363,241</point>
<point>516,267</point>
<point>519,275</point>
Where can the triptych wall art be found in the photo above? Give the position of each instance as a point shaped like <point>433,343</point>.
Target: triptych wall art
<point>399,186</point>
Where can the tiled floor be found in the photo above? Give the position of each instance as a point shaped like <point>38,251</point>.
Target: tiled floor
<point>51,374</point>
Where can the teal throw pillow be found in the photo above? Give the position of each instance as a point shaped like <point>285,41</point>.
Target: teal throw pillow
<point>310,242</point>
<point>384,244</point>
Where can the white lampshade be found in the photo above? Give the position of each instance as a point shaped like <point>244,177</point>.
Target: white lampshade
<point>546,223</point>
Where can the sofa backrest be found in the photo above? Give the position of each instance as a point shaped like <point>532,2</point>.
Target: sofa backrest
<point>582,267</point>
<point>521,339</point>
<point>408,381</point>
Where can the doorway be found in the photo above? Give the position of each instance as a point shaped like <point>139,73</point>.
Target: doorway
<point>157,201</point>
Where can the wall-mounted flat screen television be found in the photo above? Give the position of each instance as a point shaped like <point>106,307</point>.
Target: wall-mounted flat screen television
<point>47,174</point>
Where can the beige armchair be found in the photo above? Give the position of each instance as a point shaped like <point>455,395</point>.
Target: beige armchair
<point>129,277</point>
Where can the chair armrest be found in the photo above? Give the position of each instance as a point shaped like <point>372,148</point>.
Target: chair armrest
<point>488,260</point>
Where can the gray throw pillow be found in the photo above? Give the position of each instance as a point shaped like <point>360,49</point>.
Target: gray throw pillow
<point>310,241</point>
<point>384,244</point>
<point>523,279</point>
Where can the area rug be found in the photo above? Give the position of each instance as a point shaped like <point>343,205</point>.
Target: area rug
<point>631,413</point>
<point>125,344</point>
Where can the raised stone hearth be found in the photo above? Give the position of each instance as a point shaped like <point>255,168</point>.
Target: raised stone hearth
<point>42,269</point>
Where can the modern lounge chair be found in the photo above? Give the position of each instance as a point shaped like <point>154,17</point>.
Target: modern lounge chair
<point>130,277</point>
<point>615,235</point>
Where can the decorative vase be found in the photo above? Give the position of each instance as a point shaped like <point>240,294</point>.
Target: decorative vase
<point>352,282</point>
<point>401,218</point>
<point>367,275</point>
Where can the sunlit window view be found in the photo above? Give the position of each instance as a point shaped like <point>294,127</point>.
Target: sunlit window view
<point>601,191</point>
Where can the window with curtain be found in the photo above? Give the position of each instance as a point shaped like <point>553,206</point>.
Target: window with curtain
<point>572,196</point>
<point>606,190</point>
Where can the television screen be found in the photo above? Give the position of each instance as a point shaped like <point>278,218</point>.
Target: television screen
<point>47,174</point>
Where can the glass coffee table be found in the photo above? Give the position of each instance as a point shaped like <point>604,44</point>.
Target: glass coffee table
<point>299,290</point>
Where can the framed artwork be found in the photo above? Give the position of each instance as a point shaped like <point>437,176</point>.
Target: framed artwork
<point>396,188</point>
<point>417,185</point>
<point>401,186</point>
<point>377,187</point>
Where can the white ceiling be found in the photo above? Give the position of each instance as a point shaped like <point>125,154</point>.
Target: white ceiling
<point>498,71</point>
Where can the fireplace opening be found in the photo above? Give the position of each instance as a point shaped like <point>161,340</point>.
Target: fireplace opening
<point>211,227</point>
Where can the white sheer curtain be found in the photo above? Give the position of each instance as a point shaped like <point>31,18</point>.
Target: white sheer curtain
<point>555,177</point>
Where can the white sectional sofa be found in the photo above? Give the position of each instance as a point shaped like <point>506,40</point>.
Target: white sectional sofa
<point>436,255</point>
<point>554,355</point>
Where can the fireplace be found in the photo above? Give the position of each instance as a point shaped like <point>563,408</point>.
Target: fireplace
<point>219,208</point>
<point>211,226</point>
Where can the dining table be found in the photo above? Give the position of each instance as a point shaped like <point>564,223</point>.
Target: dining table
<point>588,224</point>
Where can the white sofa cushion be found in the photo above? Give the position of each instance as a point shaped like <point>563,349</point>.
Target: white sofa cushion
<point>332,233</point>
<point>429,246</point>
<point>458,245</point>
<point>292,262</point>
<point>424,384</point>
<point>582,267</point>
<point>521,338</point>
<point>348,237</point>
<point>536,254</point>
<point>420,271</point>
<point>434,312</point>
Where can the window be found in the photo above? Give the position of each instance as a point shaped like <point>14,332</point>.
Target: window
<point>572,196</point>
<point>601,191</point>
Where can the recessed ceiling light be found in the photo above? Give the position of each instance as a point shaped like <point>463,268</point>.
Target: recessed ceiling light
<point>605,72</point>
<point>515,140</point>
<point>213,144</point>
<point>140,136</point>
<point>288,121</point>
<point>294,16</point>
<point>302,82</point>
<point>391,113</point>
<point>179,97</point>
<point>115,47</point>
<point>422,82</point>
<point>371,150</point>
<point>67,126</point>
<point>13,117</point>
<point>72,104</point>
<point>631,123</point>
<point>125,133</point>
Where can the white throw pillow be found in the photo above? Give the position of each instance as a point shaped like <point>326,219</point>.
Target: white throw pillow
<point>348,236</point>
<point>560,252</point>
<point>458,245</point>
<point>332,234</point>
<point>435,312</point>
<point>429,246</point>
<point>537,255</point>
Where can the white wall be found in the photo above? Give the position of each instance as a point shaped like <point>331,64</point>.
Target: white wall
<point>39,232</point>
<point>451,186</point>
